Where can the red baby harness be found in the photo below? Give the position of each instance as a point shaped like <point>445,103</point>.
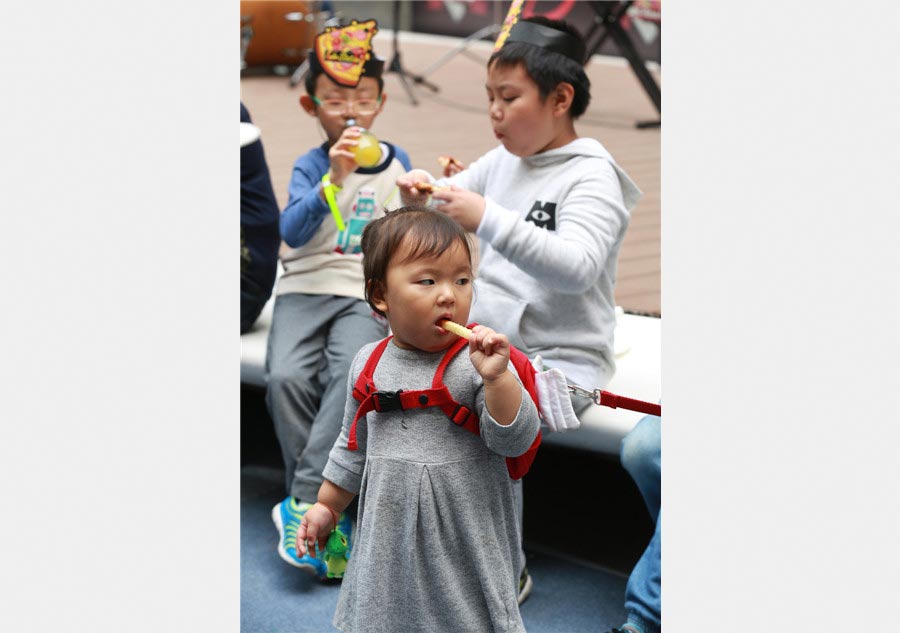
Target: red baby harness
<point>371,399</point>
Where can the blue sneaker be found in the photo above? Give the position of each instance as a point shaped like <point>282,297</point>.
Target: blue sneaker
<point>287,516</point>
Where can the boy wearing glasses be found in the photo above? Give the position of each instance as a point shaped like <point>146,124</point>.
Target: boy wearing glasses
<point>321,318</point>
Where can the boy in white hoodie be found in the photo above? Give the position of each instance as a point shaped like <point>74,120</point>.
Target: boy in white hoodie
<point>550,209</point>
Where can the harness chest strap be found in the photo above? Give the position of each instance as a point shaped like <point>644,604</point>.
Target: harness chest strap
<point>372,399</point>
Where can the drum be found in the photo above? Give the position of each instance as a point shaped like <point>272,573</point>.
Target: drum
<point>282,31</point>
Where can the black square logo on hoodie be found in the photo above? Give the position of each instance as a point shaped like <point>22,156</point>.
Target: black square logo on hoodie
<point>543,214</point>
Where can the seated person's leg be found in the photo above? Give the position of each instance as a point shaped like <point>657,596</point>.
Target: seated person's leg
<point>352,327</point>
<point>643,600</point>
<point>294,354</point>
<point>640,455</point>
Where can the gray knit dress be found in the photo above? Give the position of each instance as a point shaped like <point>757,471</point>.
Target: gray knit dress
<point>435,548</point>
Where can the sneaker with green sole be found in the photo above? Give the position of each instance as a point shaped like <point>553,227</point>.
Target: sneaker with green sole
<point>287,516</point>
<point>329,563</point>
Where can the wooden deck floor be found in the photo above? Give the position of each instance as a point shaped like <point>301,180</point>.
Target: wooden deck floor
<point>454,121</point>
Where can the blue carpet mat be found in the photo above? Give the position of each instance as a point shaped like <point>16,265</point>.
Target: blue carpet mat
<point>568,596</point>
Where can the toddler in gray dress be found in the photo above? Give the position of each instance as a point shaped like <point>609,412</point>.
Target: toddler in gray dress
<point>437,535</point>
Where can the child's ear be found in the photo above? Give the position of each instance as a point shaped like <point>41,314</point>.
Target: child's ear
<point>562,96</point>
<point>308,105</point>
<point>376,294</point>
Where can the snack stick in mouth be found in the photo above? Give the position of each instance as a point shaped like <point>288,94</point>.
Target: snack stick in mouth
<point>456,328</point>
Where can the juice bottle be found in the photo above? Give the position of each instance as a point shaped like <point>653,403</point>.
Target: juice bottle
<point>368,152</point>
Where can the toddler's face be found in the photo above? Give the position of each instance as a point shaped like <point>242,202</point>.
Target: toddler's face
<point>521,121</point>
<point>421,292</point>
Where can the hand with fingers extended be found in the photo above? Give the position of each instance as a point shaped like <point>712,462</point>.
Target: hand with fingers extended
<point>315,527</point>
<point>340,156</point>
<point>464,206</point>
<point>407,184</point>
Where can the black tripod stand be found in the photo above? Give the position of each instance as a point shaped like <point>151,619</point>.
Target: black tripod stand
<point>396,66</point>
<point>488,32</point>
<point>608,16</point>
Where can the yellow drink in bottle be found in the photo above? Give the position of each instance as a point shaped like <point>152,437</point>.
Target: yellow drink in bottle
<point>368,151</point>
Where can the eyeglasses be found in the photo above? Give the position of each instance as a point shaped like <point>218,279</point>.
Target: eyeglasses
<point>339,106</point>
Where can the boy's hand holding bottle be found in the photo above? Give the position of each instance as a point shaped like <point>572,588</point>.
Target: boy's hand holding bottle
<point>342,157</point>
<point>464,206</point>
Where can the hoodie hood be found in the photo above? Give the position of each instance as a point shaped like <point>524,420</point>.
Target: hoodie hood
<point>586,147</point>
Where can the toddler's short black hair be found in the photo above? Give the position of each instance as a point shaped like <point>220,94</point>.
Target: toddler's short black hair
<point>547,68</point>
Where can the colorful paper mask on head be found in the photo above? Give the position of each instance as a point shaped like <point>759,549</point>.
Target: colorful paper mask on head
<point>538,35</point>
<point>345,53</point>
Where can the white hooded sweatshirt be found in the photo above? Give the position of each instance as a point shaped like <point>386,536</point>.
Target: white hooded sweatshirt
<point>550,237</point>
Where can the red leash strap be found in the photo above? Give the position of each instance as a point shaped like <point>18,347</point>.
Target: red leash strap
<point>614,401</point>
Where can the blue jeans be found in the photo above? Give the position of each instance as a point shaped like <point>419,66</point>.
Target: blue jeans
<point>640,456</point>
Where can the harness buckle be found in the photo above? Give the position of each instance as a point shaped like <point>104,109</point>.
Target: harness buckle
<point>387,400</point>
<point>460,420</point>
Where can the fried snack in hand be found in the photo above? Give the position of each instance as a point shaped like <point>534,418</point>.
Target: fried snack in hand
<point>450,165</point>
<point>428,187</point>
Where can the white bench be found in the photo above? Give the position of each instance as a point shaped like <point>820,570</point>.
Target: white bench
<point>602,428</point>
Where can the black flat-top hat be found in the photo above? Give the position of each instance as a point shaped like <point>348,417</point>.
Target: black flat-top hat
<point>547,38</point>
<point>539,35</point>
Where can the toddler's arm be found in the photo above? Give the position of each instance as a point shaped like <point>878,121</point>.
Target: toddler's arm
<point>342,473</point>
<point>489,352</point>
<point>345,467</point>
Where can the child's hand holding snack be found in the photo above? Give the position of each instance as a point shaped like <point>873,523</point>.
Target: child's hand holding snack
<point>489,353</point>
<point>450,165</point>
<point>409,194</point>
<point>464,206</point>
